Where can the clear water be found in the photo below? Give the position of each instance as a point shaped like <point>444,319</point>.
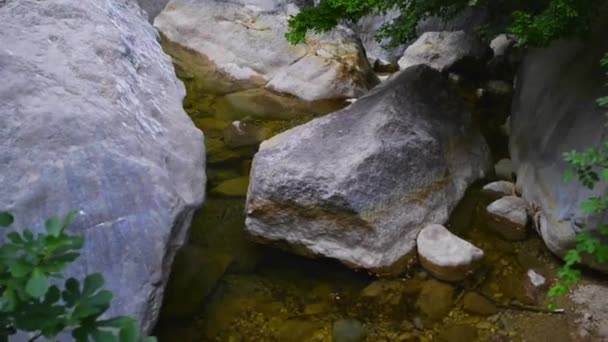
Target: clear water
<point>229,289</point>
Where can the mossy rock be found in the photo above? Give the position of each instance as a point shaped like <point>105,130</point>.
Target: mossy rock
<point>236,187</point>
<point>195,274</point>
<point>436,299</point>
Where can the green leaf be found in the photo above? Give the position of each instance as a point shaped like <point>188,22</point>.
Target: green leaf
<point>602,254</point>
<point>602,101</point>
<point>71,294</point>
<point>605,175</point>
<point>100,299</point>
<point>15,238</point>
<point>53,226</point>
<point>569,176</point>
<point>28,235</point>
<point>115,322</point>
<point>38,284</point>
<point>52,296</point>
<point>129,332</point>
<point>69,218</point>
<point>558,290</point>
<point>80,334</point>
<point>20,269</point>
<point>6,219</point>
<point>92,283</point>
<point>572,257</point>
<point>8,301</point>
<point>103,336</point>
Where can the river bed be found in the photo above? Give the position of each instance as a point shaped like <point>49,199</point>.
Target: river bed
<point>226,288</point>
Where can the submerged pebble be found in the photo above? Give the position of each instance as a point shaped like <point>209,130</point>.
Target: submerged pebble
<point>348,330</point>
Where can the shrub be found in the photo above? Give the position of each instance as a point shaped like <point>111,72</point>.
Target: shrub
<point>30,301</point>
<point>536,23</point>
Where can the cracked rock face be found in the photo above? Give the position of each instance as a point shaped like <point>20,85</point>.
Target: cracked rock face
<point>246,41</point>
<point>359,184</point>
<point>92,119</point>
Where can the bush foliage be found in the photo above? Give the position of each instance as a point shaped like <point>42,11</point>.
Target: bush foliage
<point>31,301</point>
<point>536,23</point>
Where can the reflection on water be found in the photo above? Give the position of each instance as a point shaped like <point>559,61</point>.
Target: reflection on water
<point>225,288</point>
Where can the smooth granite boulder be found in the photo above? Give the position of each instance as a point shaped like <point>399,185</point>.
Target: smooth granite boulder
<point>92,119</point>
<point>555,111</point>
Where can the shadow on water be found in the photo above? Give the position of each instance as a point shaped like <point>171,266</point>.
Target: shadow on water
<point>226,288</point>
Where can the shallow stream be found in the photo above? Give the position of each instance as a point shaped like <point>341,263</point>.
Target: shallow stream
<point>225,288</point>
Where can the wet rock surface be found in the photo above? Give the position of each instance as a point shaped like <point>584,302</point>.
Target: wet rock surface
<point>445,255</point>
<point>477,304</point>
<point>499,189</point>
<point>504,170</point>
<point>456,51</point>
<point>509,217</point>
<point>436,299</point>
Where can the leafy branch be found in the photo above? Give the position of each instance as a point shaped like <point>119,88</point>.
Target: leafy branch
<point>30,301</point>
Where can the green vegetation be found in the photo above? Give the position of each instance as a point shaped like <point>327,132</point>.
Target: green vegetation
<point>536,23</point>
<point>31,302</point>
<point>590,167</point>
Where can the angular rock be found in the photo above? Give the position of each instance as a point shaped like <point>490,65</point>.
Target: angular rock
<point>477,304</point>
<point>504,170</point>
<point>508,217</point>
<point>244,134</point>
<point>367,30</point>
<point>445,255</point>
<point>92,119</point>
<point>436,299</point>
<point>447,51</point>
<point>535,286</point>
<point>383,58</point>
<point>554,110</point>
<point>507,57</point>
<point>245,40</point>
<point>535,279</point>
<point>502,44</point>
<point>359,184</point>
<point>499,189</point>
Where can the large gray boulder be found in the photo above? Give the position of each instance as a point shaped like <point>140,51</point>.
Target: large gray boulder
<point>367,28</point>
<point>245,40</point>
<point>92,119</point>
<point>554,111</point>
<point>457,51</point>
<point>377,52</point>
<point>359,184</point>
